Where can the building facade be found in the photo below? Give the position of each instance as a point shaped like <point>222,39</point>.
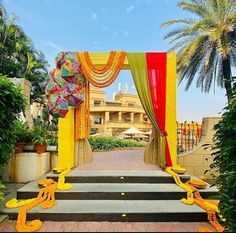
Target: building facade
<point>111,117</point>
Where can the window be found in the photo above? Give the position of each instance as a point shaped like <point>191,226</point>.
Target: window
<point>97,103</point>
<point>97,121</point>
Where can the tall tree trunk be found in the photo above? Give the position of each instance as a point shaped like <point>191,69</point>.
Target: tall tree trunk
<point>227,78</point>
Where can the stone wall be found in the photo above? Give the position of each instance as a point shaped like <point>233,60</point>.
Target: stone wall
<point>199,159</point>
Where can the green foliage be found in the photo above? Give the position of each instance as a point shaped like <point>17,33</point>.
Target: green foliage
<point>225,164</point>
<point>12,103</point>
<point>1,194</point>
<point>19,58</point>
<point>109,143</point>
<point>22,131</point>
<point>205,43</point>
<point>40,134</point>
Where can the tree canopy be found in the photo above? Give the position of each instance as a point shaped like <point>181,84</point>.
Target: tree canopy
<point>18,56</point>
<point>205,43</point>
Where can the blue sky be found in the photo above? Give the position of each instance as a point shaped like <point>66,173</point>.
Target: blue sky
<point>105,25</point>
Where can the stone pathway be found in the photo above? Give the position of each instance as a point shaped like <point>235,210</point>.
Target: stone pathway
<point>9,226</point>
<point>119,160</point>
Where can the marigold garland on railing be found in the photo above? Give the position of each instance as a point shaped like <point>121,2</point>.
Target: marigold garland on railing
<point>106,75</point>
<point>46,198</point>
<point>194,196</point>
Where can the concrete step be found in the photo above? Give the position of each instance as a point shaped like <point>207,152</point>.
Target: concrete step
<point>116,211</point>
<point>112,191</point>
<point>119,177</point>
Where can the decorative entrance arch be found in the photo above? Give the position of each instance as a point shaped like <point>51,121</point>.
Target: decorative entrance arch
<point>154,76</point>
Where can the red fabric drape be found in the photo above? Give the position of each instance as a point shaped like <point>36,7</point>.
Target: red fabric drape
<point>157,70</point>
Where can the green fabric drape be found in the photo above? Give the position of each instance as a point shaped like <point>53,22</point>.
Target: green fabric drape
<point>138,67</point>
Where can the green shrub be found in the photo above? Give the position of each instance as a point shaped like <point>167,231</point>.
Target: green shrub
<point>12,103</point>
<point>110,143</point>
<point>225,164</point>
<point>22,131</point>
<point>40,134</point>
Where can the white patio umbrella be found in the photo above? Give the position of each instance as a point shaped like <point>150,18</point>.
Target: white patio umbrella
<point>123,136</point>
<point>140,136</point>
<point>132,131</point>
<point>149,132</point>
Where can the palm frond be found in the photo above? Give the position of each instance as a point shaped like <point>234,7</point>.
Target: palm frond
<point>174,21</point>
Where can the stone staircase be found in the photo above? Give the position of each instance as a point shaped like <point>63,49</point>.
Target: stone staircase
<point>116,196</point>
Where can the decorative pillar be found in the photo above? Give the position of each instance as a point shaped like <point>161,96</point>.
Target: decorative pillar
<point>120,116</point>
<point>66,140</point>
<point>132,117</point>
<point>107,117</point>
<point>141,117</point>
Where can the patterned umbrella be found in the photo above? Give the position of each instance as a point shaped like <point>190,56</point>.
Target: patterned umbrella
<point>73,94</point>
<point>52,88</point>
<point>58,106</point>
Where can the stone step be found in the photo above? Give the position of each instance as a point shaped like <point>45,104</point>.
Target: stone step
<point>119,177</point>
<point>116,211</point>
<point>112,191</point>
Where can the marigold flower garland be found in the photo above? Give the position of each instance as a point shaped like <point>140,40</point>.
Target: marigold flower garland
<point>211,207</point>
<point>106,75</point>
<point>46,198</point>
<point>82,126</point>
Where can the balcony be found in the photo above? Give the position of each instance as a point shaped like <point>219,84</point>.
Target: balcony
<point>128,124</point>
<point>116,107</point>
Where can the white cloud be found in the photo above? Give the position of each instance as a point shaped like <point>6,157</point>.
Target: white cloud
<point>52,45</point>
<point>103,28</point>
<point>94,16</point>
<point>120,32</point>
<point>130,8</point>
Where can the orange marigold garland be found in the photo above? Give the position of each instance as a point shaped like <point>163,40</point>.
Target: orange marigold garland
<point>211,207</point>
<point>105,76</point>
<point>46,198</point>
<point>105,68</point>
<point>82,115</point>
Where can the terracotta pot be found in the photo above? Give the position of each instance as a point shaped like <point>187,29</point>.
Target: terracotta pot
<point>40,148</point>
<point>20,147</point>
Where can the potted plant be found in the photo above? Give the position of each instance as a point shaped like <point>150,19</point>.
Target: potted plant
<point>40,135</point>
<point>22,134</point>
<point>52,143</point>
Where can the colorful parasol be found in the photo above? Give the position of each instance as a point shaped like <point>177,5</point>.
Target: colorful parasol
<point>58,106</point>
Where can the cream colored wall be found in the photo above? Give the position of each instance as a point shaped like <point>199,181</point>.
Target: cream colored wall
<point>199,159</point>
<point>128,98</point>
<point>96,94</point>
<point>114,115</point>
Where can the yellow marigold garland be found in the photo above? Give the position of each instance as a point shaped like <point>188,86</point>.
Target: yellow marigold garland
<point>13,203</point>
<point>189,200</point>
<point>105,76</point>
<point>61,181</point>
<point>211,207</point>
<point>46,198</point>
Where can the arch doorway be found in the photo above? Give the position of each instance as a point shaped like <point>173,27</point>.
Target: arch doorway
<point>154,76</point>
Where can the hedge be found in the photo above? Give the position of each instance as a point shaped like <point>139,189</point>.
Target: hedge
<point>110,143</point>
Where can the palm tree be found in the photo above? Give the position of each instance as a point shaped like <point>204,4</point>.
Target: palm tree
<point>206,43</point>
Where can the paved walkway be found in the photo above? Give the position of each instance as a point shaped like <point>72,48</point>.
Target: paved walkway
<point>9,226</point>
<point>119,160</point>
